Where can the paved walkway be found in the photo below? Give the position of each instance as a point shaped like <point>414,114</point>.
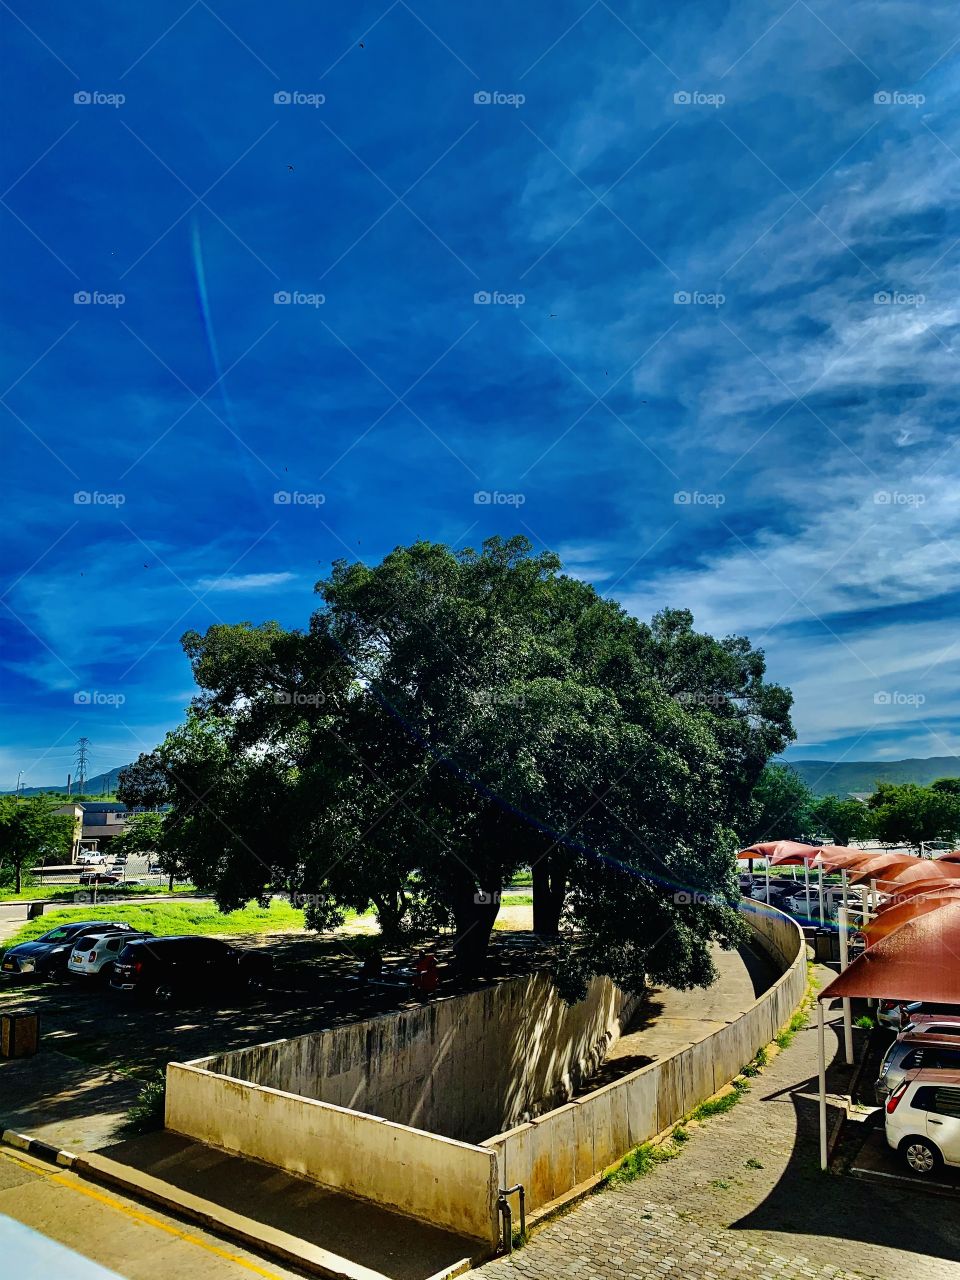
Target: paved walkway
<point>746,1199</point>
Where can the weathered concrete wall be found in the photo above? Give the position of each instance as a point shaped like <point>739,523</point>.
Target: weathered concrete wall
<point>459,1066</point>
<point>435,1179</point>
<point>554,1153</point>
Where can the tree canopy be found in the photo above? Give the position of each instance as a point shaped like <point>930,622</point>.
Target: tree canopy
<point>30,831</point>
<point>449,717</point>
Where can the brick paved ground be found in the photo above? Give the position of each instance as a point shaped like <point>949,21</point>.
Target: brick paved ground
<point>708,1215</point>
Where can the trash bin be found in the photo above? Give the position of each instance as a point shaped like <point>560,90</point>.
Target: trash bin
<point>19,1034</point>
<point>826,946</point>
<point>35,909</point>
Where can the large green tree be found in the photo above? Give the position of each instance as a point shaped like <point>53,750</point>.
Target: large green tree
<point>30,831</point>
<point>842,819</point>
<point>780,807</point>
<point>450,717</point>
<point>907,813</point>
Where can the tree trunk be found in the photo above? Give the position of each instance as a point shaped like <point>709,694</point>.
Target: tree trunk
<point>19,877</point>
<point>473,921</point>
<point>549,892</point>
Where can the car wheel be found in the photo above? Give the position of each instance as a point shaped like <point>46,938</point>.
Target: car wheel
<point>921,1156</point>
<point>164,993</point>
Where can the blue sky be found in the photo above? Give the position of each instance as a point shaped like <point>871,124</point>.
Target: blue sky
<point>718,368</point>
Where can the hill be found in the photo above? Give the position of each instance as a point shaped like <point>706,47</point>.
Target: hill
<point>826,777</point>
<point>100,784</point>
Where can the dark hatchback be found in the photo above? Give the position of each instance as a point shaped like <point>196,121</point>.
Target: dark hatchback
<point>47,955</point>
<point>169,969</point>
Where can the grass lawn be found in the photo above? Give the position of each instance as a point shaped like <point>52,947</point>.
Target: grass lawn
<point>164,918</point>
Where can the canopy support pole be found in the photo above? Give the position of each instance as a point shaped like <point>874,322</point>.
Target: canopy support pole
<point>823,919</point>
<point>822,1072</point>
<point>806,885</point>
<point>847,1012</point>
<point>768,881</point>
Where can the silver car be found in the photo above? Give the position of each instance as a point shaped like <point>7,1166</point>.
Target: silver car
<point>913,1051</point>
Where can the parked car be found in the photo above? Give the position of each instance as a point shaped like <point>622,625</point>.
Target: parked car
<point>99,877</point>
<point>90,859</point>
<point>896,1013</point>
<point>913,1051</point>
<point>166,969</point>
<point>922,1119</point>
<point>119,859</point>
<point>48,955</point>
<point>934,1024</point>
<point>93,955</point>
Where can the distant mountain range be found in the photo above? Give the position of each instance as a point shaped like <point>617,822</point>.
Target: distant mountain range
<point>823,777</point>
<point>827,778</point>
<point>100,784</point>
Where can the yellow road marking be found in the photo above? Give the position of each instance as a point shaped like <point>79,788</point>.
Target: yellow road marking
<point>139,1216</point>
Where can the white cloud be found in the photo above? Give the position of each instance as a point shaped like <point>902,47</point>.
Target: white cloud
<point>245,582</point>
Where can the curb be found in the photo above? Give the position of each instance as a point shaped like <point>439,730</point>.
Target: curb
<point>37,1147</point>
<point>256,1236</point>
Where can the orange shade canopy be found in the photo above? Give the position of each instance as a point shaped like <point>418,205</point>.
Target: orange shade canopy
<point>883,865</point>
<point>916,889</point>
<point>773,849</point>
<point>918,961</point>
<point>901,912</point>
<point>952,856</point>
<point>925,869</point>
<point>837,857</point>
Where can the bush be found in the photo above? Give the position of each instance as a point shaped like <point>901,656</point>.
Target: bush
<point>146,1114</point>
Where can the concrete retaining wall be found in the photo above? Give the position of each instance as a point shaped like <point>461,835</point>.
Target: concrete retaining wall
<point>554,1153</point>
<point>450,1184</point>
<point>458,1067</point>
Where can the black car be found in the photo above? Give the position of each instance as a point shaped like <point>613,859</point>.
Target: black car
<point>167,969</point>
<point>47,955</point>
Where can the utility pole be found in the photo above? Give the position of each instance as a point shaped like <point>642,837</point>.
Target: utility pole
<point>82,746</point>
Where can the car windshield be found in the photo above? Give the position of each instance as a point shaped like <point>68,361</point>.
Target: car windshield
<point>56,935</point>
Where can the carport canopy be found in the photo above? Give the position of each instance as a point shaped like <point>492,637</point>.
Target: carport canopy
<point>918,961</point>
<point>901,912</point>
<point>916,889</point>
<point>926,869</point>
<point>777,850</point>
<point>952,856</point>
<point>883,865</point>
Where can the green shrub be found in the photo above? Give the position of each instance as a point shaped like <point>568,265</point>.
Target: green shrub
<point>146,1113</point>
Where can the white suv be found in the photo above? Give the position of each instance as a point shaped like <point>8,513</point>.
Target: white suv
<point>93,954</point>
<point>923,1120</point>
